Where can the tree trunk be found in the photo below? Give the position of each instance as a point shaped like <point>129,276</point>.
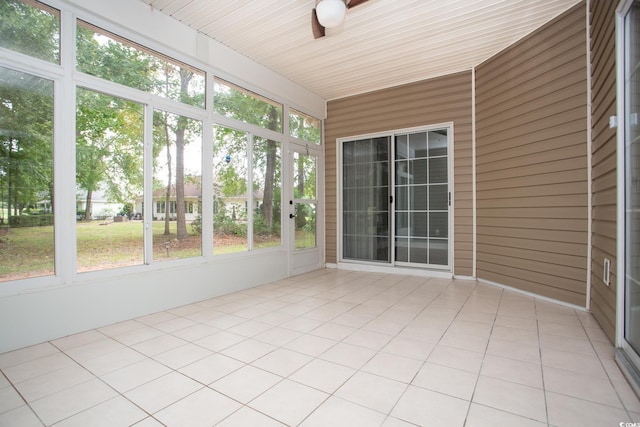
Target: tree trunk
<point>185,78</point>
<point>167,197</point>
<point>180,202</point>
<point>87,209</point>
<point>270,173</point>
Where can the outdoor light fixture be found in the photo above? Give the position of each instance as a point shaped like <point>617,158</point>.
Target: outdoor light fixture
<point>331,12</point>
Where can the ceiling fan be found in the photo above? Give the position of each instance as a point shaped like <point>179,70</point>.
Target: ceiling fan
<point>330,14</point>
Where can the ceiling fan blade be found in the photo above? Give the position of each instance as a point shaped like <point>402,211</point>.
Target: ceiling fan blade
<point>354,3</point>
<point>316,27</point>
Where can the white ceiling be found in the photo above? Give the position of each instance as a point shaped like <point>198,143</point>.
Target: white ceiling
<point>382,43</point>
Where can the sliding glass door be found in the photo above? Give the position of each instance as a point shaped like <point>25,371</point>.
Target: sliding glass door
<point>395,199</point>
<point>365,200</point>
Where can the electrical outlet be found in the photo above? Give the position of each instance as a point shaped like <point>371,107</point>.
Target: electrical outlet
<point>607,271</point>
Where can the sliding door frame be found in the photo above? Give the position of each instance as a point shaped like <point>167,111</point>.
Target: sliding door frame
<point>428,270</point>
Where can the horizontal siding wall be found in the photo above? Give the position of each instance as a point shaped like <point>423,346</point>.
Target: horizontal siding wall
<point>603,149</point>
<point>531,153</point>
<point>439,100</point>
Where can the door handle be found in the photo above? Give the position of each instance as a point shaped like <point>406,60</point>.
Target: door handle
<point>291,215</point>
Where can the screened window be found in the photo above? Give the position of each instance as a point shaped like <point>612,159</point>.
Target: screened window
<point>31,28</point>
<point>108,56</point>
<point>304,127</point>
<point>238,103</point>
<point>305,199</point>
<point>230,193</point>
<point>267,185</point>
<point>109,179</point>
<point>26,176</point>
<point>177,172</point>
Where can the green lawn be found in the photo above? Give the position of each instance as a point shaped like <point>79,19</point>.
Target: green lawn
<point>28,251</point>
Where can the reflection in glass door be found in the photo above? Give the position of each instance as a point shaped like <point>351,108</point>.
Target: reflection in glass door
<point>413,229</point>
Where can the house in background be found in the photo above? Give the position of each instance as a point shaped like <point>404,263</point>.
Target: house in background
<point>529,193</point>
<point>192,195</point>
<point>101,207</point>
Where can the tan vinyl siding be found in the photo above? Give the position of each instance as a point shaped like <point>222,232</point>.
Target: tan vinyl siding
<point>532,192</point>
<point>439,100</point>
<point>603,161</point>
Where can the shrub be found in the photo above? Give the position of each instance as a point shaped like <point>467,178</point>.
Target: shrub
<point>31,220</point>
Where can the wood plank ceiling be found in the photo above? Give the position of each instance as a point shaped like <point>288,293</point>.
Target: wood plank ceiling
<point>382,43</point>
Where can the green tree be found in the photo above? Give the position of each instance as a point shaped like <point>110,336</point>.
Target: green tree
<point>26,108</point>
<point>31,30</point>
<point>109,129</point>
<point>245,106</point>
<point>108,147</point>
<point>26,140</point>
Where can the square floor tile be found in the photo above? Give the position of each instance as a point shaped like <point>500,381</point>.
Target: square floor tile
<point>117,411</point>
<point>22,416</point>
<point>569,361</point>
<point>477,343</point>
<point>220,340</point>
<point>182,356</point>
<point>392,366</point>
<point>512,370</point>
<point>333,331</point>
<point>598,390</point>
<point>159,344</point>
<point>348,355</point>
<point>569,411</point>
<point>137,335</point>
<point>9,399</point>
<point>514,350</point>
<point>249,350</point>
<point>162,392</point>
<point>173,325</point>
<point>573,345</point>
<point>111,362</point>
<point>250,328</point>
<point>323,375</point>
<point>195,332</point>
<point>408,347</point>
<point>204,408</point>
<point>34,368</point>
<point>246,416</point>
<point>26,354</point>
<point>289,402</point>
<point>282,362</point>
<point>336,412</point>
<point>72,400</point>
<point>428,408</point>
<point>311,345</point>
<point>52,382</point>
<point>246,383</point>
<point>211,368</point>
<point>78,340</point>
<point>458,358</point>
<point>368,339</point>
<point>135,375</point>
<point>278,336</point>
<point>518,399</point>
<point>483,416</point>
<point>372,391</point>
<point>445,380</point>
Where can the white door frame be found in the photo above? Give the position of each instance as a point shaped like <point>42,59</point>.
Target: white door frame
<point>309,259</point>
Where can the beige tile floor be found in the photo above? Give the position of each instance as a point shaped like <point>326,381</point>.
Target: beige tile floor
<point>329,348</point>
